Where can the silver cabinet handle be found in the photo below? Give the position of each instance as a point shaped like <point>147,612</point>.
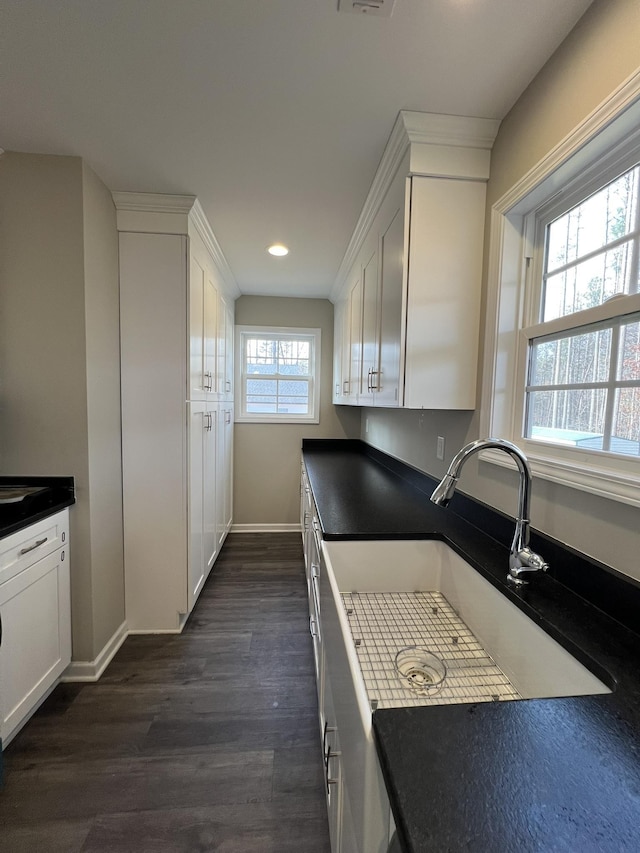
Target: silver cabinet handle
<point>208,384</point>
<point>36,544</point>
<point>312,625</point>
<point>328,756</point>
<point>227,384</point>
<point>315,574</point>
<point>345,386</point>
<point>327,729</point>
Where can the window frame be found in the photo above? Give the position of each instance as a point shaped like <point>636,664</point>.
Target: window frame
<point>588,158</point>
<point>242,332</point>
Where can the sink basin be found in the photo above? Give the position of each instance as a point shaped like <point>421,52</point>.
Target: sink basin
<point>534,664</point>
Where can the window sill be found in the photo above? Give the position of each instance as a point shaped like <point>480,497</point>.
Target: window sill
<point>604,482</point>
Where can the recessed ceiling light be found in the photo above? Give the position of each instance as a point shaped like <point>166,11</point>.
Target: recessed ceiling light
<point>278,249</point>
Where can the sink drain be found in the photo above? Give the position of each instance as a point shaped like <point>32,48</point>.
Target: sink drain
<point>420,671</point>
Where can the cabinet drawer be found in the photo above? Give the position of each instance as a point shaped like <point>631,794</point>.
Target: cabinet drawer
<point>27,546</point>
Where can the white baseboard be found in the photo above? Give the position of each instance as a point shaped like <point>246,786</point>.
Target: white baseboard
<point>91,670</point>
<point>265,528</point>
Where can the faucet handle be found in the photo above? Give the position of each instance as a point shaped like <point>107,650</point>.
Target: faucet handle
<point>524,562</point>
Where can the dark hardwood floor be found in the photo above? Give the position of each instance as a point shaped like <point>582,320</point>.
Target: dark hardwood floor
<point>204,741</point>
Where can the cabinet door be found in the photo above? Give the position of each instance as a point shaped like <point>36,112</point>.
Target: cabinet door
<point>197,379</point>
<point>370,350</point>
<point>36,637</point>
<point>224,472</point>
<point>355,341</point>
<point>198,420</point>
<point>443,294</point>
<point>210,476</point>
<point>228,468</point>
<point>210,338</point>
<point>387,379</point>
<point>224,374</point>
<point>339,316</point>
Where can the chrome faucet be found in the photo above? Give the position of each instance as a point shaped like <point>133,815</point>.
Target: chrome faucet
<point>522,560</point>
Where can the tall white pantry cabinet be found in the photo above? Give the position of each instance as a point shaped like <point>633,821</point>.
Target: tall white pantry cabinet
<point>176,315</point>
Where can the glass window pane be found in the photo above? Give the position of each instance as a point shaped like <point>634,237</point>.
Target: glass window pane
<point>298,387</point>
<point>571,360</point>
<point>261,406</point>
<point>262,386</point>
<point>574,417</point>
<point>626,427</point>
<point>605,216</point>
<point>629,356</point>
<point>589,283</point>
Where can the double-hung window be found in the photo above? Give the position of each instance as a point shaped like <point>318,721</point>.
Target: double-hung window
<point>582,386</point>
<point>563,377</point>
<point>278,375</point>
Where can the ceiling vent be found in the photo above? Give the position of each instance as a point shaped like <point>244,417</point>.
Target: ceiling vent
<point>382,8</point>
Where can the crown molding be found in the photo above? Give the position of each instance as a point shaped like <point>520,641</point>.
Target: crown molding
<point>457,131</point>
<point>412,131</point>
<point>201,223</point>
<point>182,209</point>
<point>395,149</point>
<point>153,202</point>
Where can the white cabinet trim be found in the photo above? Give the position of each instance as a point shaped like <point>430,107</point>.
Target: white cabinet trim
<point>438,144</point>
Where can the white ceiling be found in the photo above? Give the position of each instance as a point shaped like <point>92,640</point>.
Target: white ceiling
<point>275,113</point>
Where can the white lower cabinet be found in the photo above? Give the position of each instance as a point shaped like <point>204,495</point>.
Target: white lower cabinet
<point>36,619</point>
<point>357,804</point>
<point>341,829</point>
<point>224,499</point>
<point>203,540</point>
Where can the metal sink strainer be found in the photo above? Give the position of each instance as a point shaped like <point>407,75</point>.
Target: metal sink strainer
<point>420,671</point>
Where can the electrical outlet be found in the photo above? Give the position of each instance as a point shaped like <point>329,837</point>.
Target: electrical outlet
<point>440,447</point>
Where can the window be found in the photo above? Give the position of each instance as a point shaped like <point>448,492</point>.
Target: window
<point>278,375</point>
<point>563,377</point>
<point>583,372</point>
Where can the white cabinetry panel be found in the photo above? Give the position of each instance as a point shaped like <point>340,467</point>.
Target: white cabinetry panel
<point>36,619</point>
<point>414,304</point>
<point>174,364</point>
<point>153,303</point>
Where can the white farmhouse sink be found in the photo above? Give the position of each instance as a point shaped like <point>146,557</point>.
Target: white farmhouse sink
<point>535,665</point>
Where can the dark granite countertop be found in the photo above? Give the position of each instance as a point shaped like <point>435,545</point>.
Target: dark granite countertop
<point>56,494</point>
<point>500,777</point>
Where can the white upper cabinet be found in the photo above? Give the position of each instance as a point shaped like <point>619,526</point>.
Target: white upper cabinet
<point>224,374</point>
<point>387,378</point>
<point>443,293</point>
<point>408,293</point>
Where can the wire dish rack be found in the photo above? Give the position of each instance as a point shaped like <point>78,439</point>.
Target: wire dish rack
<point>384,624</point>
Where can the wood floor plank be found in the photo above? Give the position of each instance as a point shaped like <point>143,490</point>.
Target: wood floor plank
<point>203,741</point>
<point>255,828</point>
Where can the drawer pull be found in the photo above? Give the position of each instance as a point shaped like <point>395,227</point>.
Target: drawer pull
<point>32,547</point>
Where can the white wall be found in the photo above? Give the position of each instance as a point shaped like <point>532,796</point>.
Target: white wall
<point>267,456</point>
<point>600,53</point>
<point>102,333</point>
<point>59,363</point>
